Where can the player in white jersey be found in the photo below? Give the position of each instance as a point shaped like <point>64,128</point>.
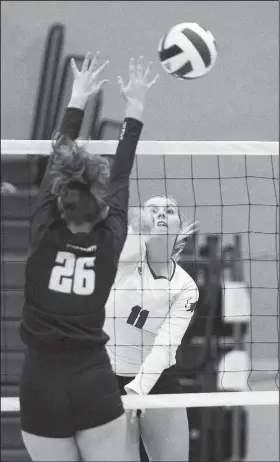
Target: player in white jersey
<point>147,314</point>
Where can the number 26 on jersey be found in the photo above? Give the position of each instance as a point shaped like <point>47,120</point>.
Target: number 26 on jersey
<point>73,274</point>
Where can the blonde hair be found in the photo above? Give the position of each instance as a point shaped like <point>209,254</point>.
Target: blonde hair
<point>187,228</point>
<point>73,164</point>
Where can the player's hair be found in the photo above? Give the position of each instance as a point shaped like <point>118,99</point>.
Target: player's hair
<point>80,181</point>
<point>187,228</point>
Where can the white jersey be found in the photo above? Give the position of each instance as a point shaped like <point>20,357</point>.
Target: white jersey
<point>146,317</point>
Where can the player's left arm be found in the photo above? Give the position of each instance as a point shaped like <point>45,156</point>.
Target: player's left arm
<point>168,339</point>
<point>85,86</point>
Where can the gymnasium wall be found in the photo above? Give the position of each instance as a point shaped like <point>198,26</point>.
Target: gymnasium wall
<point>237,101</point>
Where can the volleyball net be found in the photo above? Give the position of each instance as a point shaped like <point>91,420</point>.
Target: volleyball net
<point>229,355</point>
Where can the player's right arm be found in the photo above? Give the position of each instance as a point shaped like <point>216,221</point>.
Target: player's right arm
<point>135,95</point>
<point>167,341</point>
<point>84,87</point>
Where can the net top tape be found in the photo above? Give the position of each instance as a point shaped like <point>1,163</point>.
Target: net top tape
<point>44,147</point>
<point>189,400</point>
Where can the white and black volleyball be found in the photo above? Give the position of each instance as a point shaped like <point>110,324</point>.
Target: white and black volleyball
<point>188,51</point>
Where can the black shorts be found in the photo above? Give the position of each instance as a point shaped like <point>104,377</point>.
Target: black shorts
<point>61,394</point>
<point>168,383</point>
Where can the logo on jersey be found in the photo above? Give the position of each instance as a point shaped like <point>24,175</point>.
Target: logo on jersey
<point>91,248</point>
<point>167,66</point>
<point>190,306</point>
<point>123,131</point>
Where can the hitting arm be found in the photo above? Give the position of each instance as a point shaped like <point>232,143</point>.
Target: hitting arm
<point>169,337</point>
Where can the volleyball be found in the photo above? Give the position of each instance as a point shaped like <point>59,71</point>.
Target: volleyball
<point>187,51</point>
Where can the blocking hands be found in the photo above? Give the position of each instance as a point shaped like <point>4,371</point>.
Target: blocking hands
<point>88,82</point>
<point>139,83</point>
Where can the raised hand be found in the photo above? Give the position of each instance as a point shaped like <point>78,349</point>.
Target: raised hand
<point>86,81</point>
<point>136,90</point>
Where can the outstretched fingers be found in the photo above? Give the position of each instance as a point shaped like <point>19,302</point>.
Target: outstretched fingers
<point>153,82</point>
<point>93,62</point>
<point>101,69</point>
<point>147,71</point>
<point>139,70</point>
<point>101,84</point>
<point>132,75</point>
<point>145,77</point>
<point>75,71</point>
<point>121,83</point>
<point>86,62</point>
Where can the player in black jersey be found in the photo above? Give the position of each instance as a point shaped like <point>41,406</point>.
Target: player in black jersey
<point>69,397</point>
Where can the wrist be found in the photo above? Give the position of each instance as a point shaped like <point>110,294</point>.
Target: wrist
<point>130,391</point>
<point>78,102</point>
<point>135,111</point>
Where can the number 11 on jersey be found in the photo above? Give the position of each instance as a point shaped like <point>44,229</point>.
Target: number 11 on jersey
<point>73,274</point>
<point>137,312</point>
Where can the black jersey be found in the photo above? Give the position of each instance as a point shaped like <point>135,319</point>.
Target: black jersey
<point>69,276</point>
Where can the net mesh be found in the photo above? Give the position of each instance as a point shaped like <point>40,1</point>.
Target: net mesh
<point>231,189</point>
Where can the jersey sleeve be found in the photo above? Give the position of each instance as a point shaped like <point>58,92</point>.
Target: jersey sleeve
<point>168,339</point>
<point>45,209</point>
<point>122,165</point>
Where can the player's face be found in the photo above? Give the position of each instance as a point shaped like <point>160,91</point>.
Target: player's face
<point>165,215</point>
